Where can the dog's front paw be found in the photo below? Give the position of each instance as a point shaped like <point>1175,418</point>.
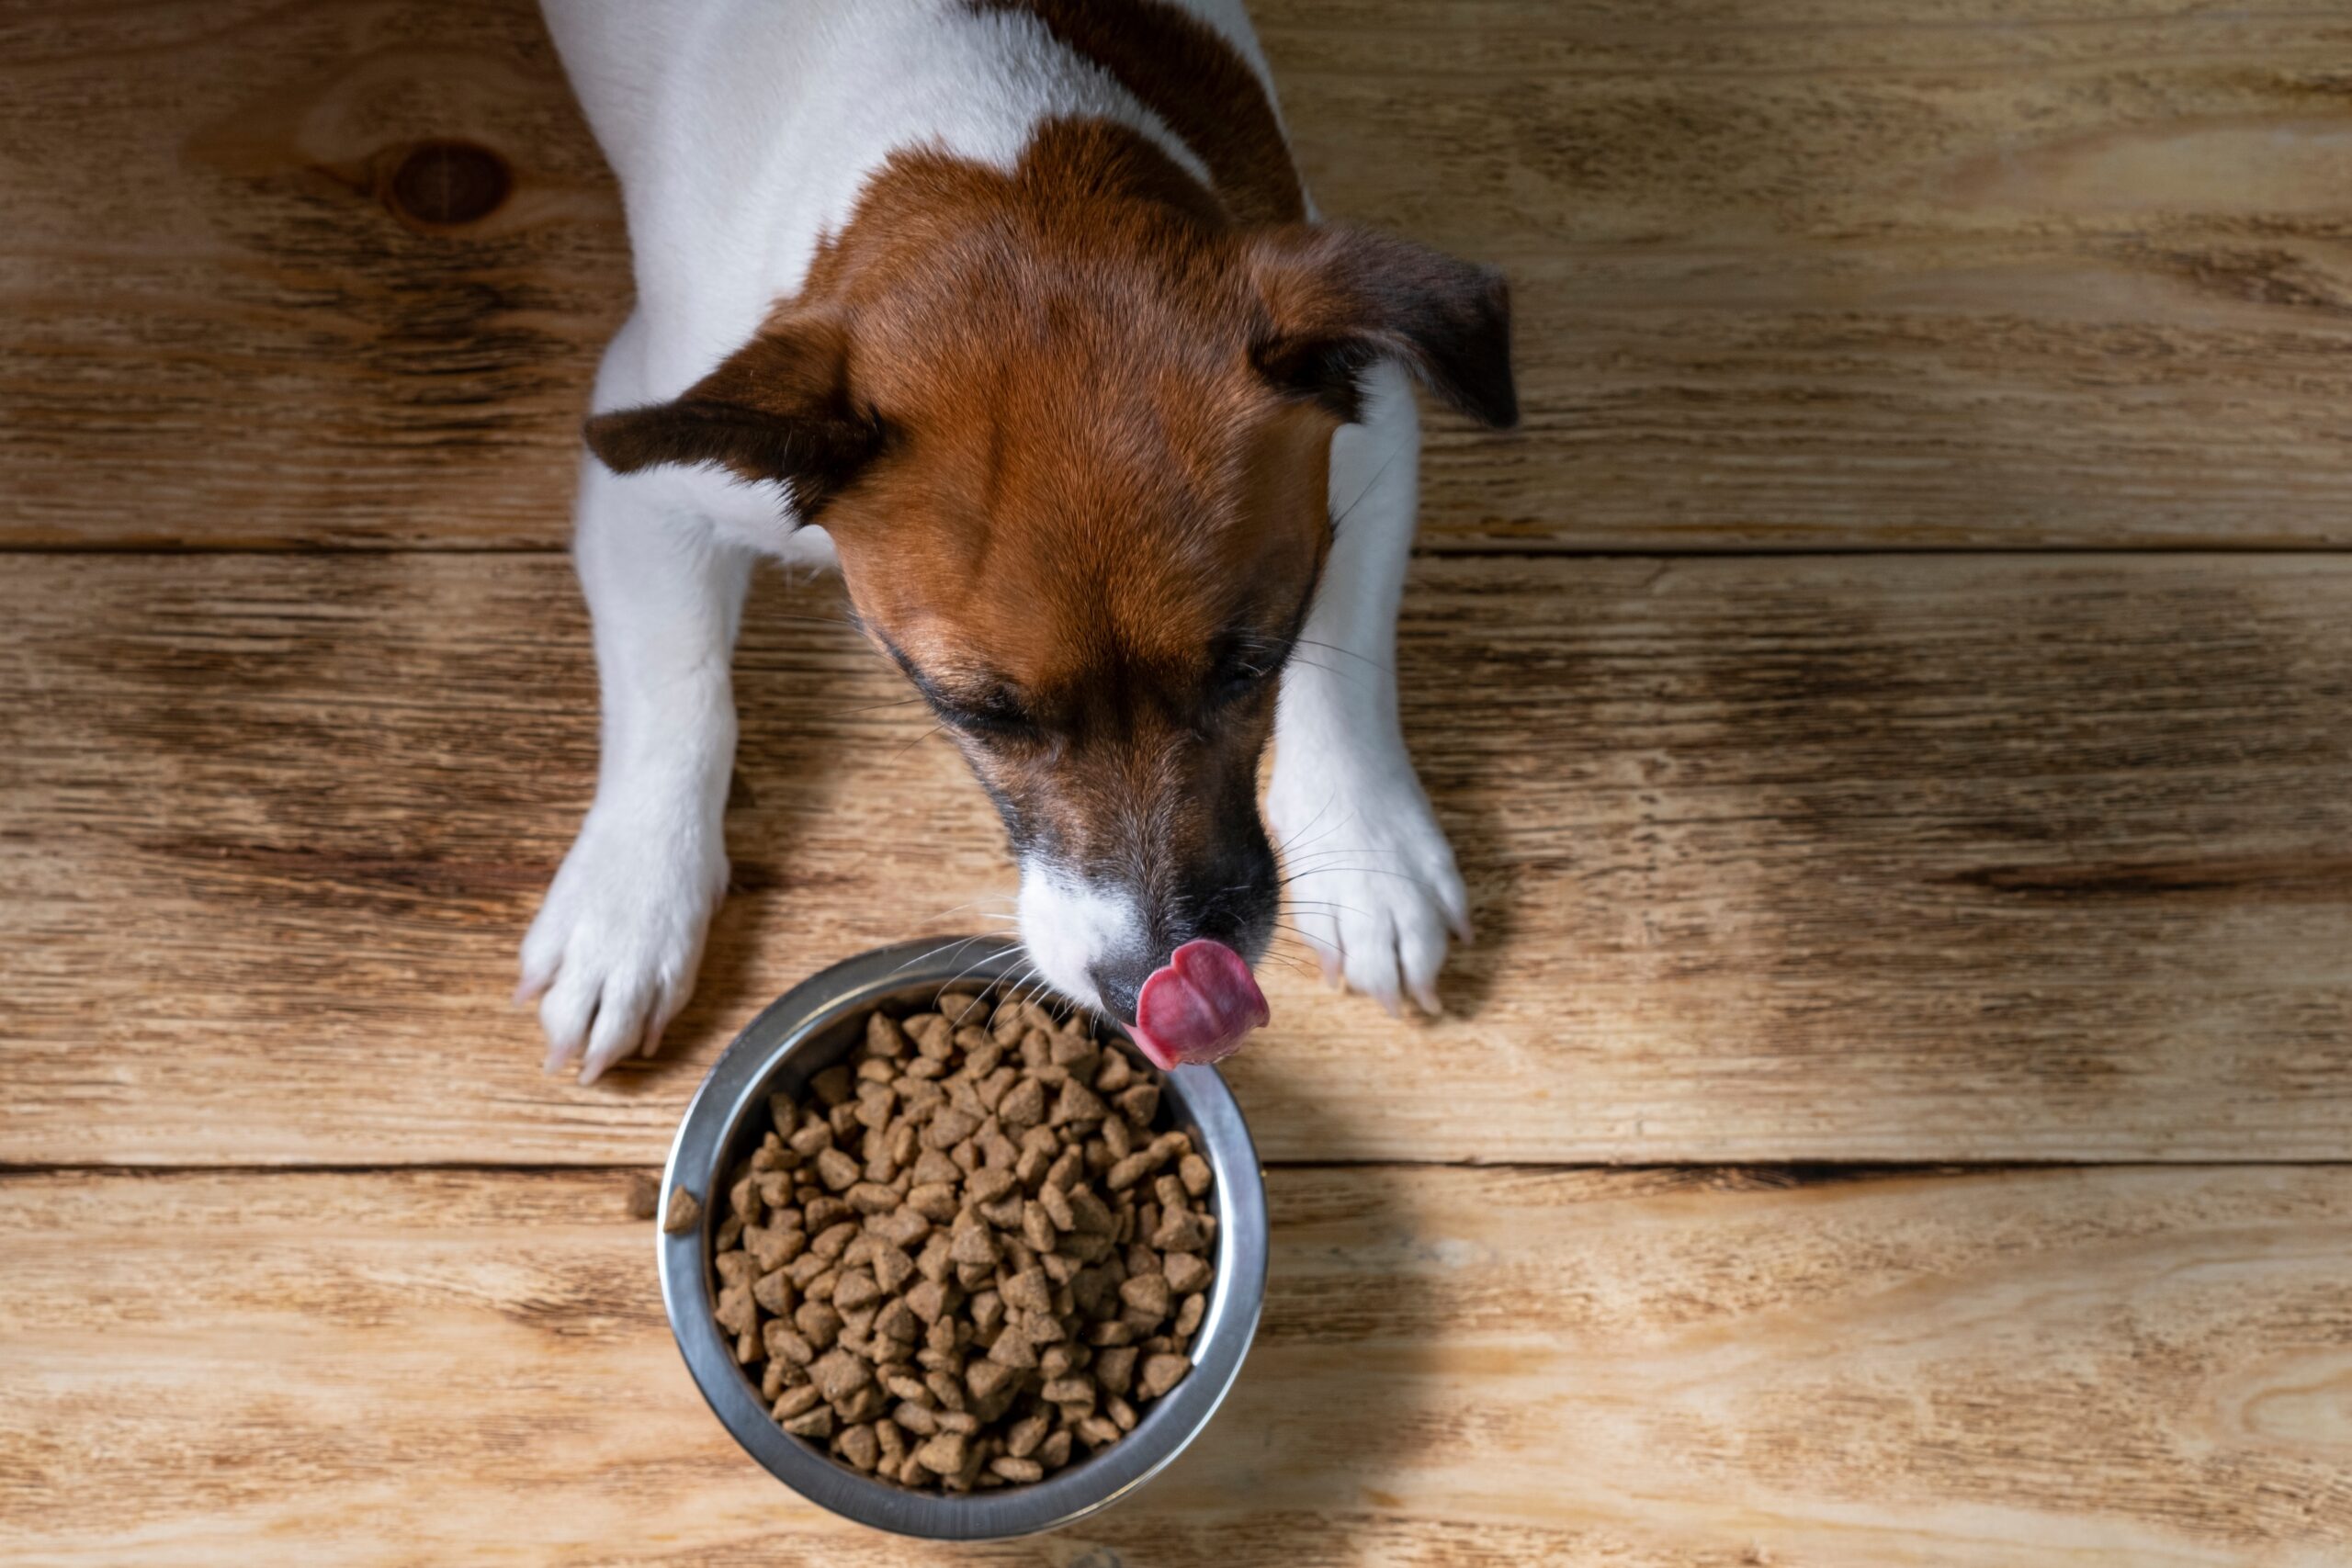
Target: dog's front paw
<point>1370,881</point>
<point>613,953</point>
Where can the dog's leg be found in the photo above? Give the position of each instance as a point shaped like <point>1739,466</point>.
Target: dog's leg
<point>616,945</point>
<point>1371,880</point>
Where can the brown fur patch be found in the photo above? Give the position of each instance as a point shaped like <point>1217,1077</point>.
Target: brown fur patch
<point>1061,357</point>
<point>1179,68</point>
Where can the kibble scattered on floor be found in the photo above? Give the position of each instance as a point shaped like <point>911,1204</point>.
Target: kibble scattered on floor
<point>966,1256</point>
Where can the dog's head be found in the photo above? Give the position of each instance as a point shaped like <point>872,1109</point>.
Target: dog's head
<point>1069,428</point>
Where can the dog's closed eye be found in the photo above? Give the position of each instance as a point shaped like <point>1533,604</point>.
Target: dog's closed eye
<point>979,706</point>
<point>1238,675</point>
<point>995,715</point>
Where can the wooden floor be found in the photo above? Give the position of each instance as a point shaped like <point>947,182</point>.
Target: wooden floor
<point>1894,703</point>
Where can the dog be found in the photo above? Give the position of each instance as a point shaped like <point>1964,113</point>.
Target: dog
<point>1017,311</point>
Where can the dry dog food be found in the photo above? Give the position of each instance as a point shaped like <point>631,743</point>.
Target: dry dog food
<point>966,1257</point>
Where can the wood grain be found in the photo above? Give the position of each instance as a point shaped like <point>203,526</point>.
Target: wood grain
<point>1881,858</point>
<point>1870,273</point>
<point>2141,1369</point>
<point>1815,858</point>
<point>1790,273</point>
<point>226,326</point>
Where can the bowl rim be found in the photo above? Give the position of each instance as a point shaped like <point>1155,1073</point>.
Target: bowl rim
<point>736,1086</point>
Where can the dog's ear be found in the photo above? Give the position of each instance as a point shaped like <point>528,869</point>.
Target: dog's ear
<point>1338,299</point>
<point>778,408</point>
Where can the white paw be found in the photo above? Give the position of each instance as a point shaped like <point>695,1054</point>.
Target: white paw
<point>1372,883</point>
<point>613,953</point>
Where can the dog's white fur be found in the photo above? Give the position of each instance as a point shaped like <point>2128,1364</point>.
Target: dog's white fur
<point>742,131</point>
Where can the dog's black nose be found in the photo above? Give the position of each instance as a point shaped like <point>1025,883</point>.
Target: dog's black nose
<point>1120,982</point>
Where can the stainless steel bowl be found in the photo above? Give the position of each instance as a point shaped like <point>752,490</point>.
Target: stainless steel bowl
<point>807,1030</point>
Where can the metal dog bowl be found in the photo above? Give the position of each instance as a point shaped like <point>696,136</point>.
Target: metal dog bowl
<point>809,1028</point>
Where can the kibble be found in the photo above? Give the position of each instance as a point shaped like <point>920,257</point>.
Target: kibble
<point>966,1256</point>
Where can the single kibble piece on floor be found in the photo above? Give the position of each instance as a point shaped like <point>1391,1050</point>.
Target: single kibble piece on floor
<point>968,1251</point>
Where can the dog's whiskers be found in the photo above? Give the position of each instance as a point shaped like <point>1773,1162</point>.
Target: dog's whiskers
<point>918,741</point>
<point>1370,485</point>
<point>958,944</point>
<point>973,966</point>
<point>1341,852</point>
<point>1285,846</point>
<point>869,707</point>
<point>1328,669</point>
<point>974,903</point>
<point>1349,652</point>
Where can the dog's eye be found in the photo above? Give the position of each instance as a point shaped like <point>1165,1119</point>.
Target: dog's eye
<point>997,716</point>
<point>1240,675</point>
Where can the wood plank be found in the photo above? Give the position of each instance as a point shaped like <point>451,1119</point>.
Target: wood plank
<point>1693,1370</point>
<point>233,320</point>
<point>1881,858</point>
<point>1790,273</point>
<point>1865,272</point>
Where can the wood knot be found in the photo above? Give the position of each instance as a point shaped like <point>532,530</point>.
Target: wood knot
<point>443,184</point>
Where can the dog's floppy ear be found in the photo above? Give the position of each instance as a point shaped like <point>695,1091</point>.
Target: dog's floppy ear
<point>1338,299</point>
<point>778,408</point>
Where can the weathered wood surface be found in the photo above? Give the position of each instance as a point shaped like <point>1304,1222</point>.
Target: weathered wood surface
<point>2117,1368</point>
<point>1789,274</point>
<point>1879,858</point>
<point>1833,859</point>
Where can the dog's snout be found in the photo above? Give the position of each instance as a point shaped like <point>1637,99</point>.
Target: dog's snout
<point>1099,933</point>
<point>1229,898</point>
<point>1230,901</point>
<point>1119,982</point>
<point>1100,941</point>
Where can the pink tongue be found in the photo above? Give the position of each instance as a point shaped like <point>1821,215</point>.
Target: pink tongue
<point>1199,1007</point>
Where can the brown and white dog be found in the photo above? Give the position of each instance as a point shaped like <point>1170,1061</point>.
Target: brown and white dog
<point>1017,309</point>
